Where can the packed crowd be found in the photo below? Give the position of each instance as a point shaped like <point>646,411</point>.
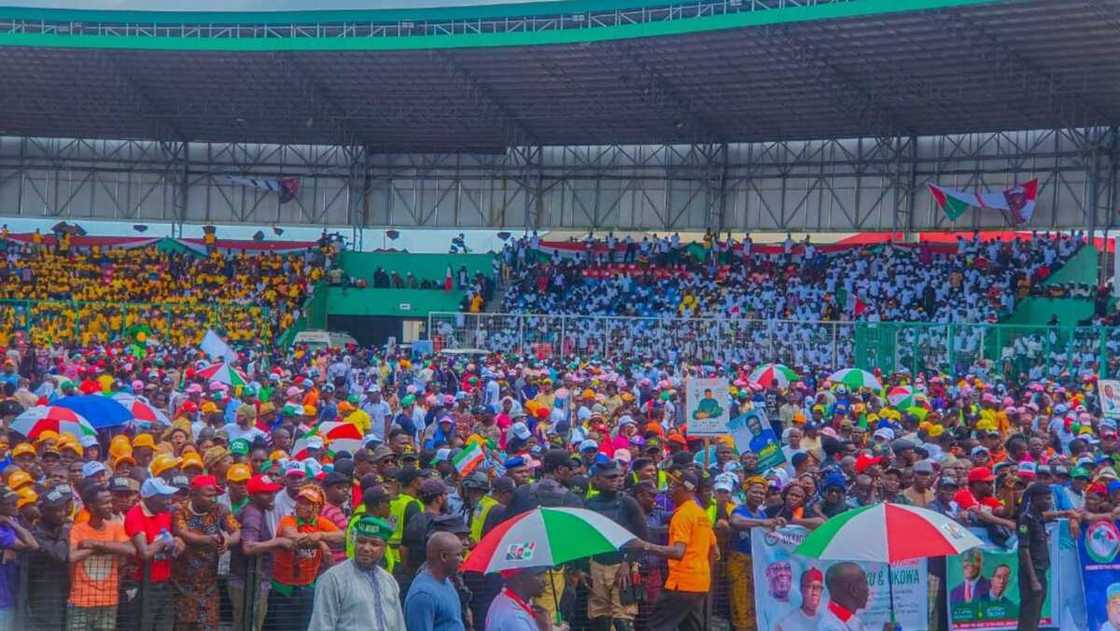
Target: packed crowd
<point>61,294</point>
<point>333,489</point>
<point>732,302</point>
<point>978,281</point>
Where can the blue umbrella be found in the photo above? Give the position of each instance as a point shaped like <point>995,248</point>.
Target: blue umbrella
<point>100,411</point>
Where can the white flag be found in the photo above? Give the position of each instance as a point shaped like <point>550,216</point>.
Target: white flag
<point>214,346</point>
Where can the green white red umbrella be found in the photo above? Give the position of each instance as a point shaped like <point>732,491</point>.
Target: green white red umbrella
<point>887,533</point>
<point>223,373</point>
<point>42,418</point>
<point>335,436</point>
<point>855,378</point>
<point>546,537</point>
<point>902,397</point>
<point>144,414</point>
<point>773,376</point>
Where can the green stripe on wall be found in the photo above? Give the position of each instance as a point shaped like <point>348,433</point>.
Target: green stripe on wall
<point>854,9</point>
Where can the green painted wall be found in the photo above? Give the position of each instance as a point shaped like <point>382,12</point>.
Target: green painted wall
<point>342,301</point>
<point>422,266</point>
<point>1037,311</point>
<point>1082,268</point>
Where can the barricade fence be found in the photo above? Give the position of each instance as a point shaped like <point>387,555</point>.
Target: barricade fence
<point>47,322</point>
<point>1012,351</point>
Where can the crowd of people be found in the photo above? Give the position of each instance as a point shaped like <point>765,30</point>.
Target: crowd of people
<point>735,302</point>
<point>252,508</point>
<point>60,294</point>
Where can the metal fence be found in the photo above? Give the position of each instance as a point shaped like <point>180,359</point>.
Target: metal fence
<point>994,349</point>
<point>69,321</point>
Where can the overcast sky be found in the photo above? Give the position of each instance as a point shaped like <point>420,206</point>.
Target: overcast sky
<point>251,5</point>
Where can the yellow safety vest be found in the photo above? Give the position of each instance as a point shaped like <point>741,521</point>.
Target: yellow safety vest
<point>478,517</point>
<point>392,555</point>
<point>397,508</point>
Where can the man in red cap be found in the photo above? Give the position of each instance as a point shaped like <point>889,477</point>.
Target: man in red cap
<point>258,541</point>
<point>978,503</point>
<point>208,528</point>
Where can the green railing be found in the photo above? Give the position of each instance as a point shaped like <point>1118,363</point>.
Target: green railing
<point>71,321</point>
<point>1004,350</point>
<point>1010,350</point>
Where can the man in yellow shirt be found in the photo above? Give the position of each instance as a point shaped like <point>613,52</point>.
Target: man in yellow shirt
<point>691,549</point>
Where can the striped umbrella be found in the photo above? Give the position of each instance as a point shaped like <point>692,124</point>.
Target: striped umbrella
<point>887,533</point>
<point>223,373</point>
<point>144,415</point>
<point>43,418</point>
<point>546,537</point>
<point>856,379</point>
<point>336,436</point>
<point>773,375</point>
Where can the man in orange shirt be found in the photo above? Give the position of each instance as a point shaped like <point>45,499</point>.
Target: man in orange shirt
<point>296,566</point>
<point>692,546</point>
<point>96,549</point>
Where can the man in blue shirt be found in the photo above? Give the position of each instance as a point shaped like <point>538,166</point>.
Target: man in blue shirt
<point>433,603</point>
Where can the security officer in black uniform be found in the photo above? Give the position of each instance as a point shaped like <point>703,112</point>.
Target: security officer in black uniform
<point>1034,555</point>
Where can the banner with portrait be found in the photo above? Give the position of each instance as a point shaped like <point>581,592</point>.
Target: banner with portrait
<point>1110,398</point>
<point>791,592</point>
<point>751,432</point>
<point>707,407</point>
<point>1099,548</point>
<point>983,585</point>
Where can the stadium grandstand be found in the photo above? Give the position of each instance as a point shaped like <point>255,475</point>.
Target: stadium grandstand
<point>299,305</point>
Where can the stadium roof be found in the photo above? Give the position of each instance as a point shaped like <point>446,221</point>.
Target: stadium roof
<point>572,72</point>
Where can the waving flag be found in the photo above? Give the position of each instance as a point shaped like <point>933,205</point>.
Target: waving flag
<point>1018,201</point>
<point>288,187</point>
<point>467,459</point>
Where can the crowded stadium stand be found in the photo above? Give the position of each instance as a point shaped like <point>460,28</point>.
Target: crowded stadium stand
<point>773,276</point>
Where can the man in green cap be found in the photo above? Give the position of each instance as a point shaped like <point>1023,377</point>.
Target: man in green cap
<point>358,593</point>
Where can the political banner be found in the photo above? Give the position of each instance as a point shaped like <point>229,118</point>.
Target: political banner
<point>1110,398</point>
<point>1099,547</point>
<point>707,410</point>
<point>791,592</point>
<point>983,585</point>
<point>751,432</point>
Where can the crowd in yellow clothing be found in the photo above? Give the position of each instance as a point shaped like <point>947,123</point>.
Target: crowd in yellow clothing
<point>92,296</point>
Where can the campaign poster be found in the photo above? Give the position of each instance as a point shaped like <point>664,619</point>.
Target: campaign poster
<point>791,592</point>
<point>751,432</point>
<point>983,586</point>
<point>1099,547</point>
<point>1110,398</point>
<point>707,407</point>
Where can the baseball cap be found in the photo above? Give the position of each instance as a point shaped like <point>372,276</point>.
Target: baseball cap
<point>58,496</point>
<point>156,486</point>
<point>976,451</point>
<point>92,468</point>
<point>520,430</point>
<point>923,466</point>
<point>123,484</point>
<point>476,480</point>
<point>204,482</point>
<point>1027,470</point>
<point>239,447</point>
<point>947,481</point>
<point>334,477</point>
<point>980,474</point>
<point>238,473</point>
<point>262,484</point>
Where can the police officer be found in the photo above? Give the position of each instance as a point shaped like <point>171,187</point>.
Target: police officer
<point>1034,555</point>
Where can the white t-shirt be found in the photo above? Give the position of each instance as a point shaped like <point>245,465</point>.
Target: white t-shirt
<point>234,432</point>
